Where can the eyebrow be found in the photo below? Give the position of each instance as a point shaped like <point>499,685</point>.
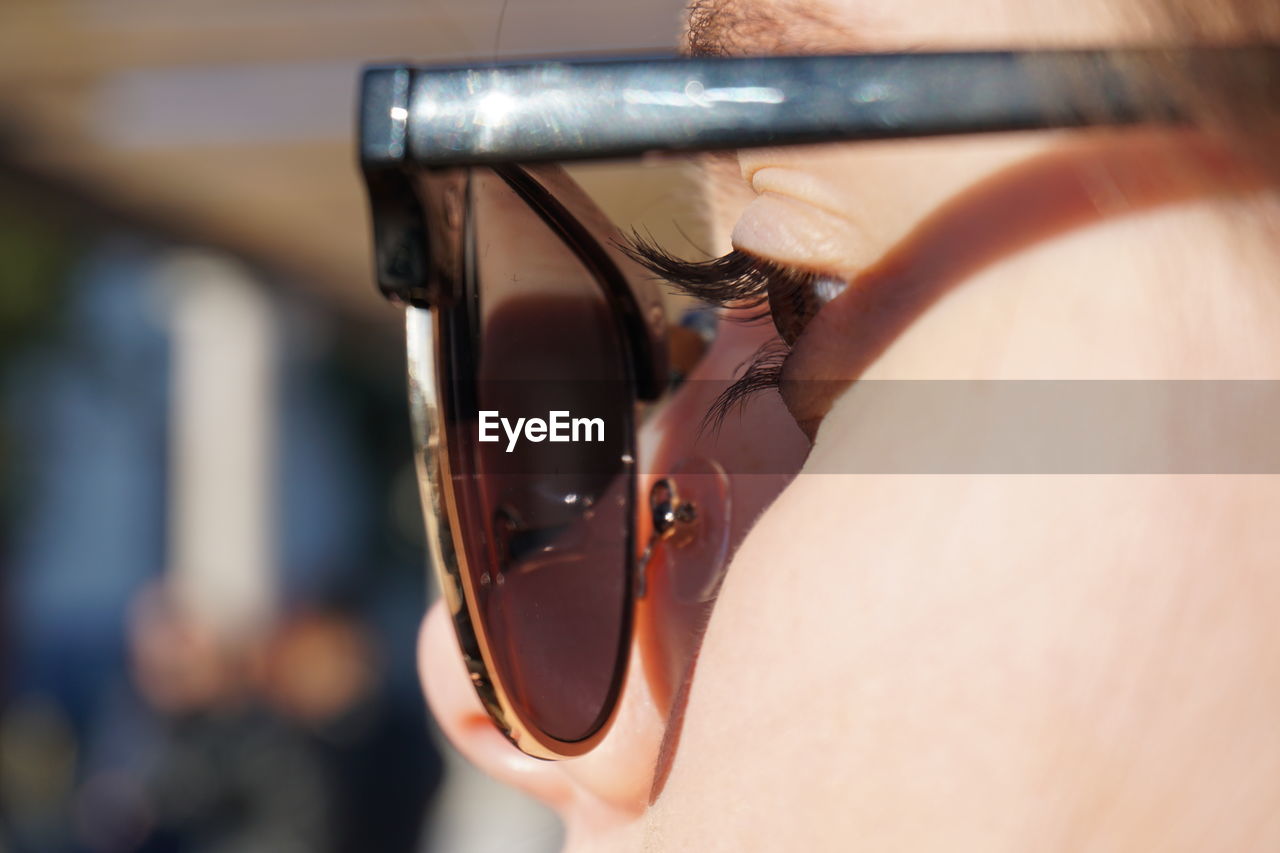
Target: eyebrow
<point>765,27</point>
<point>719,28</point>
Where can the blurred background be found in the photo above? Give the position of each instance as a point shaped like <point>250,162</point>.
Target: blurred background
<point>211,559</point>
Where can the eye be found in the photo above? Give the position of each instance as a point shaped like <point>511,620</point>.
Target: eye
<point>796,296</point>
<point>750,289</point>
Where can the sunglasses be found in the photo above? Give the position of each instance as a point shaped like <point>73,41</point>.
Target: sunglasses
<point>535,341</point>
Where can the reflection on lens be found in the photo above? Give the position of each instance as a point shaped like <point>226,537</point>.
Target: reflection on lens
<point>545,522</point>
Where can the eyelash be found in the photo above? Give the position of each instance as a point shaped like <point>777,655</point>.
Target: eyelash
<point>743,285</point>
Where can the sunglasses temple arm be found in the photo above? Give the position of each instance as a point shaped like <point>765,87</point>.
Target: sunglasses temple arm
<point>574,110</point>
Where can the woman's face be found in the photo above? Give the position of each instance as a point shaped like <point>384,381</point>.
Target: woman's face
<point>959,660</point>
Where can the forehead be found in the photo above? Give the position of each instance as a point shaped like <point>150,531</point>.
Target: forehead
<point>752,27</point>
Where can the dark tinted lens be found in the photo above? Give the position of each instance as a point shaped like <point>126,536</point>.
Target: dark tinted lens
<point>545,522</point>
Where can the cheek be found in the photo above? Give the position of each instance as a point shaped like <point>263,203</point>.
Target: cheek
<point>761,709</point>
<point>765,440</point>
<point>901,659</point>
<point>827,702</point>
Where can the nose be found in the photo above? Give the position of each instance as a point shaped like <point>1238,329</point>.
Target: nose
<point>607,787</point>
<point>457,708</point>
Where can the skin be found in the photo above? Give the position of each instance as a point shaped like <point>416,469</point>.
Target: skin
<point>969,662</point>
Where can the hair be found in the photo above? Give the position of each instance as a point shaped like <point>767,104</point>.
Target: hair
<point>1216,21</point>
<point>1244,109</point>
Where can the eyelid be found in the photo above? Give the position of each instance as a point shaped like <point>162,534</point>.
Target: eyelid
<point>751,289</point>
<point>741,281</point>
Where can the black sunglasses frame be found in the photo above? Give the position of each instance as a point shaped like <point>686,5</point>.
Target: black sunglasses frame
<point>415,118</point>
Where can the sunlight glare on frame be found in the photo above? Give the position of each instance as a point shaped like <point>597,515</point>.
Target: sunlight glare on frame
<point>493,109</point>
